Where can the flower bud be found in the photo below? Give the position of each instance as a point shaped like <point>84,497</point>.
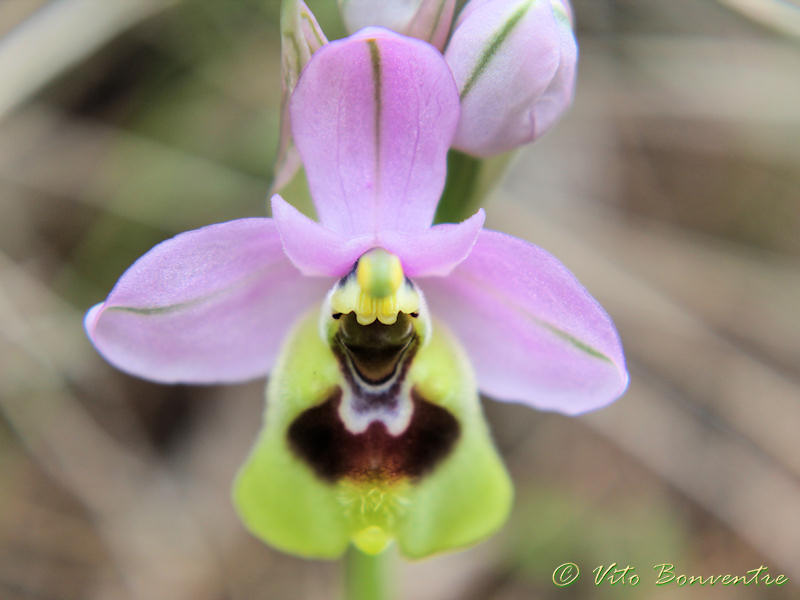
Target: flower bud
<point>301,36</point>
<point>514,63</point>
<point>394,14</point>
<point>427,20</point>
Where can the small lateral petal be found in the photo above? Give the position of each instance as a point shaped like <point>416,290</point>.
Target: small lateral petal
<point>534,334</point>
<point>373,116</point>
<point>209,305</point>
<point>435,251</point>
<point>312,248</point>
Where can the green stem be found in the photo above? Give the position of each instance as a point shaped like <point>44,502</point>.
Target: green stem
<point>366,576</point>
<point>469,181</point>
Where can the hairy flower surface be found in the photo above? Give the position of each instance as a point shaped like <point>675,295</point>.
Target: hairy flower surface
<point>373,428</point>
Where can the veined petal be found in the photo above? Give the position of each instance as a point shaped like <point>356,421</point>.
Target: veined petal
<point>209,305</point>
<point>504,54</point>
<point>392,14</point>
<point>435,251</point>
<point>313,248</point>
<point>427,20</point>
<point>373,116</point>
<point>534,334</point>
<point>301,36</point>
<point>432,22</point>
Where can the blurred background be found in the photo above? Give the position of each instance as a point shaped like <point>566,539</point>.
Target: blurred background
<point>672,189</point>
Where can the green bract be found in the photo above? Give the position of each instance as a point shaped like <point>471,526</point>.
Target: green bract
<point>284,500</point>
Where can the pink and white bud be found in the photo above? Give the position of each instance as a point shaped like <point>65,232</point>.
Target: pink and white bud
<point>514,62</point>
<point>427,20</point>
<point>392,14</point>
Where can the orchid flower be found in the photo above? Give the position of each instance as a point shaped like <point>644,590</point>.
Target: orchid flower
<point>513,60</point>
<point>370,321</point>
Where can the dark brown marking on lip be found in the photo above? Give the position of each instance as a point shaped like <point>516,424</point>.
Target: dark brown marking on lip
<point>319,438</point>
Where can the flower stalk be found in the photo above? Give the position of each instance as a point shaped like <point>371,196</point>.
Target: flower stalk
<point>367,577</point>
<point>469,182</point>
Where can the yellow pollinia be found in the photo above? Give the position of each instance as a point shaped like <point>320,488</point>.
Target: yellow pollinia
<point>379,290</point>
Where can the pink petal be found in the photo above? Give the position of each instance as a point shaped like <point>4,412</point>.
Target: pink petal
<point>373,116</point>
<point>558,95</point>
<point>534,334</point>
<point>209,305</point>
<point>313,248</point>
<point>316,250</point>
<point>435,251</point>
